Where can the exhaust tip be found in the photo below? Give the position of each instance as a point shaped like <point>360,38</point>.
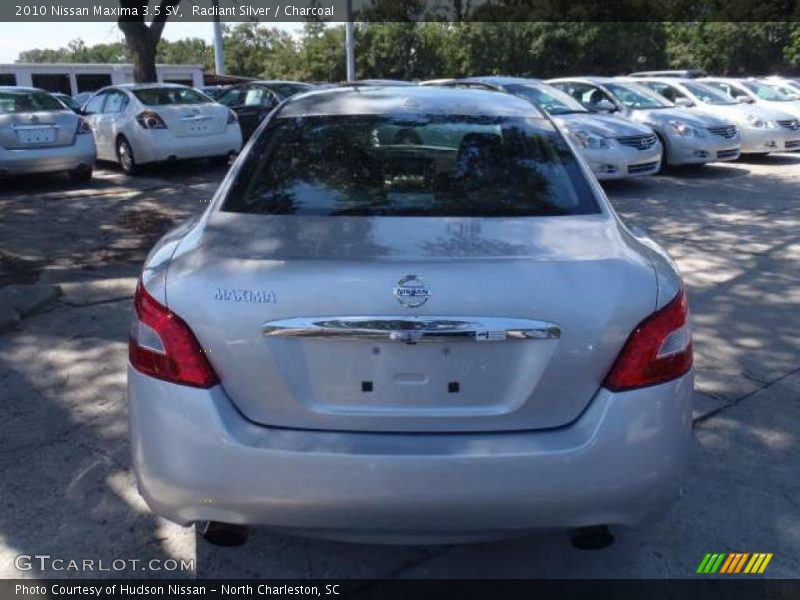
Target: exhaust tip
<point>223,534</point>
<point>591,538</point>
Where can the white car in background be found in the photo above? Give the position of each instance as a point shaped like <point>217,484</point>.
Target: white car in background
<point>135,124</point>
<point>763,129</point>
<point>788,87</point>
<point>752,91</point>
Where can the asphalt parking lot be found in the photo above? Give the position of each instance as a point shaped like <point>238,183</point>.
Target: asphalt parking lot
<point>67,491</point>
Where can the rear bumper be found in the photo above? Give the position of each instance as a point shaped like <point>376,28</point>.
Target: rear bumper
<point>620,162</point>
<point>196,458</point>
<point>160,145</point>
<point>80,154</point>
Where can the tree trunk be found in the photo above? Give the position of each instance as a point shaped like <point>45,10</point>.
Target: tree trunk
<point>142,39</point>
<point>143,52</point>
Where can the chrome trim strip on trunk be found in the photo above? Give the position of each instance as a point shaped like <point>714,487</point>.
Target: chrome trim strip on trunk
<point>411,330</point>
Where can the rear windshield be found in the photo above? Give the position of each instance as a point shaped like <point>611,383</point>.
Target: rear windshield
<point>284,90</point>
<point>160,96</point>
<point>27,101</point>
<point>416,165</point>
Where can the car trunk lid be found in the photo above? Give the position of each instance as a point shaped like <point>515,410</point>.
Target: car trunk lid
<point>411,324</point>
<point>193,120</point>
<point>40,129</point>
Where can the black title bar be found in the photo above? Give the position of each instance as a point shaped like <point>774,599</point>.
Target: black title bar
<point>270,11</point>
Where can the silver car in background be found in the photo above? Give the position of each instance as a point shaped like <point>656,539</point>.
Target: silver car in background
<point>752,91</point>
<point>787,87</point>
<point>409,315</point>
<point>687,137</point>
<point>614,148</point>
<point>763,129</point>
<point>39,134</point>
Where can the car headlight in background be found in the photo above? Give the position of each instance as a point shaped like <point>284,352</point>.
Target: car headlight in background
<point>588,140</point>
<point>683,129</point>
<point>758,123</point>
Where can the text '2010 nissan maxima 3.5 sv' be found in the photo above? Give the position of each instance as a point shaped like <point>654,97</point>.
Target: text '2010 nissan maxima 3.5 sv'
<point>409,315</point>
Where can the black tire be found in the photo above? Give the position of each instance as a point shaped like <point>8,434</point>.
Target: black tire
<point>664,163</point>
<point>221,161</point>
<point>125,156</point>
<point>83,175</point>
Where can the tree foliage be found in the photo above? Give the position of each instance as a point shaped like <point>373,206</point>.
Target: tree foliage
<point>425,50</point>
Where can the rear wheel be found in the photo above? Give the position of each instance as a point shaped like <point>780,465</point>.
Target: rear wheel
<point>664,164</point>
<point>224,160</point>
<point>81,175</point>
<point>125,156</point>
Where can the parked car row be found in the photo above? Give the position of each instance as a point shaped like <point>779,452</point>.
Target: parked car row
<point>685,120</point>
<point>622,126</point>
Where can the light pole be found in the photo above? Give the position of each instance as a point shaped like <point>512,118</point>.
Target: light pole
<point>350,43</point>
<point>219,44</point>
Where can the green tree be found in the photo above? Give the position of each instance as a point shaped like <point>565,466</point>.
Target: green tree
<point>321,54</point>
<point>253,50</point>
<point>730,48</point>
<point>192,51</point>
<point>142,39</point>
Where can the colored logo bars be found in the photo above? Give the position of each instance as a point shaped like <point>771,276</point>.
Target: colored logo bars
<point>734,562</point>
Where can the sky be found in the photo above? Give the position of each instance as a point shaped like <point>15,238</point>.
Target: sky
<point>18,37</point>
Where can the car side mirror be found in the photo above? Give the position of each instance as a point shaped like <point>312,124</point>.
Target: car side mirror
<point>744,99</point>
<point>685,102</point>
<point>605,106</point>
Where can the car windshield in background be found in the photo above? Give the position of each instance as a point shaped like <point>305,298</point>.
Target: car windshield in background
<point>553,101</point>
<point>160,96</point>
<point>637,97</point>
<point>765,92</point>
<point>415,165</point>
<point>708,95</point>
<point>20,101</point>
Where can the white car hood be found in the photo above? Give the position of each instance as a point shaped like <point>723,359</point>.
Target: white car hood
<point>738,112</point>
<point>792,108</point>
<point>602,125</point>
<point>664,115</point>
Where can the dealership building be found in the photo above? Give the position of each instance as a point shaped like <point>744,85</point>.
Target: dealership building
<point>73,78</point>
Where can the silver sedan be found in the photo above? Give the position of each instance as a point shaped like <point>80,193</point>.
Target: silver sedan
<point>762,128</point>
<point>687,138</point>
<point>409,315</point>
<point>39,134</point>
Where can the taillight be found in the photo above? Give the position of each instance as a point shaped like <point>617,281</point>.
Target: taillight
<point>232,118</point>
<point>162,345</point>
<point>150,119</point>
<point>83,127</point>
<point>658,350</point>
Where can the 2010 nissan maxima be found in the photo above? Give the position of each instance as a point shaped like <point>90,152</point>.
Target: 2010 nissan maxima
<point>409,315</point>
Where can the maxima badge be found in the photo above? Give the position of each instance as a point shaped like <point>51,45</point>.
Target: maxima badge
<point>411,291</point>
